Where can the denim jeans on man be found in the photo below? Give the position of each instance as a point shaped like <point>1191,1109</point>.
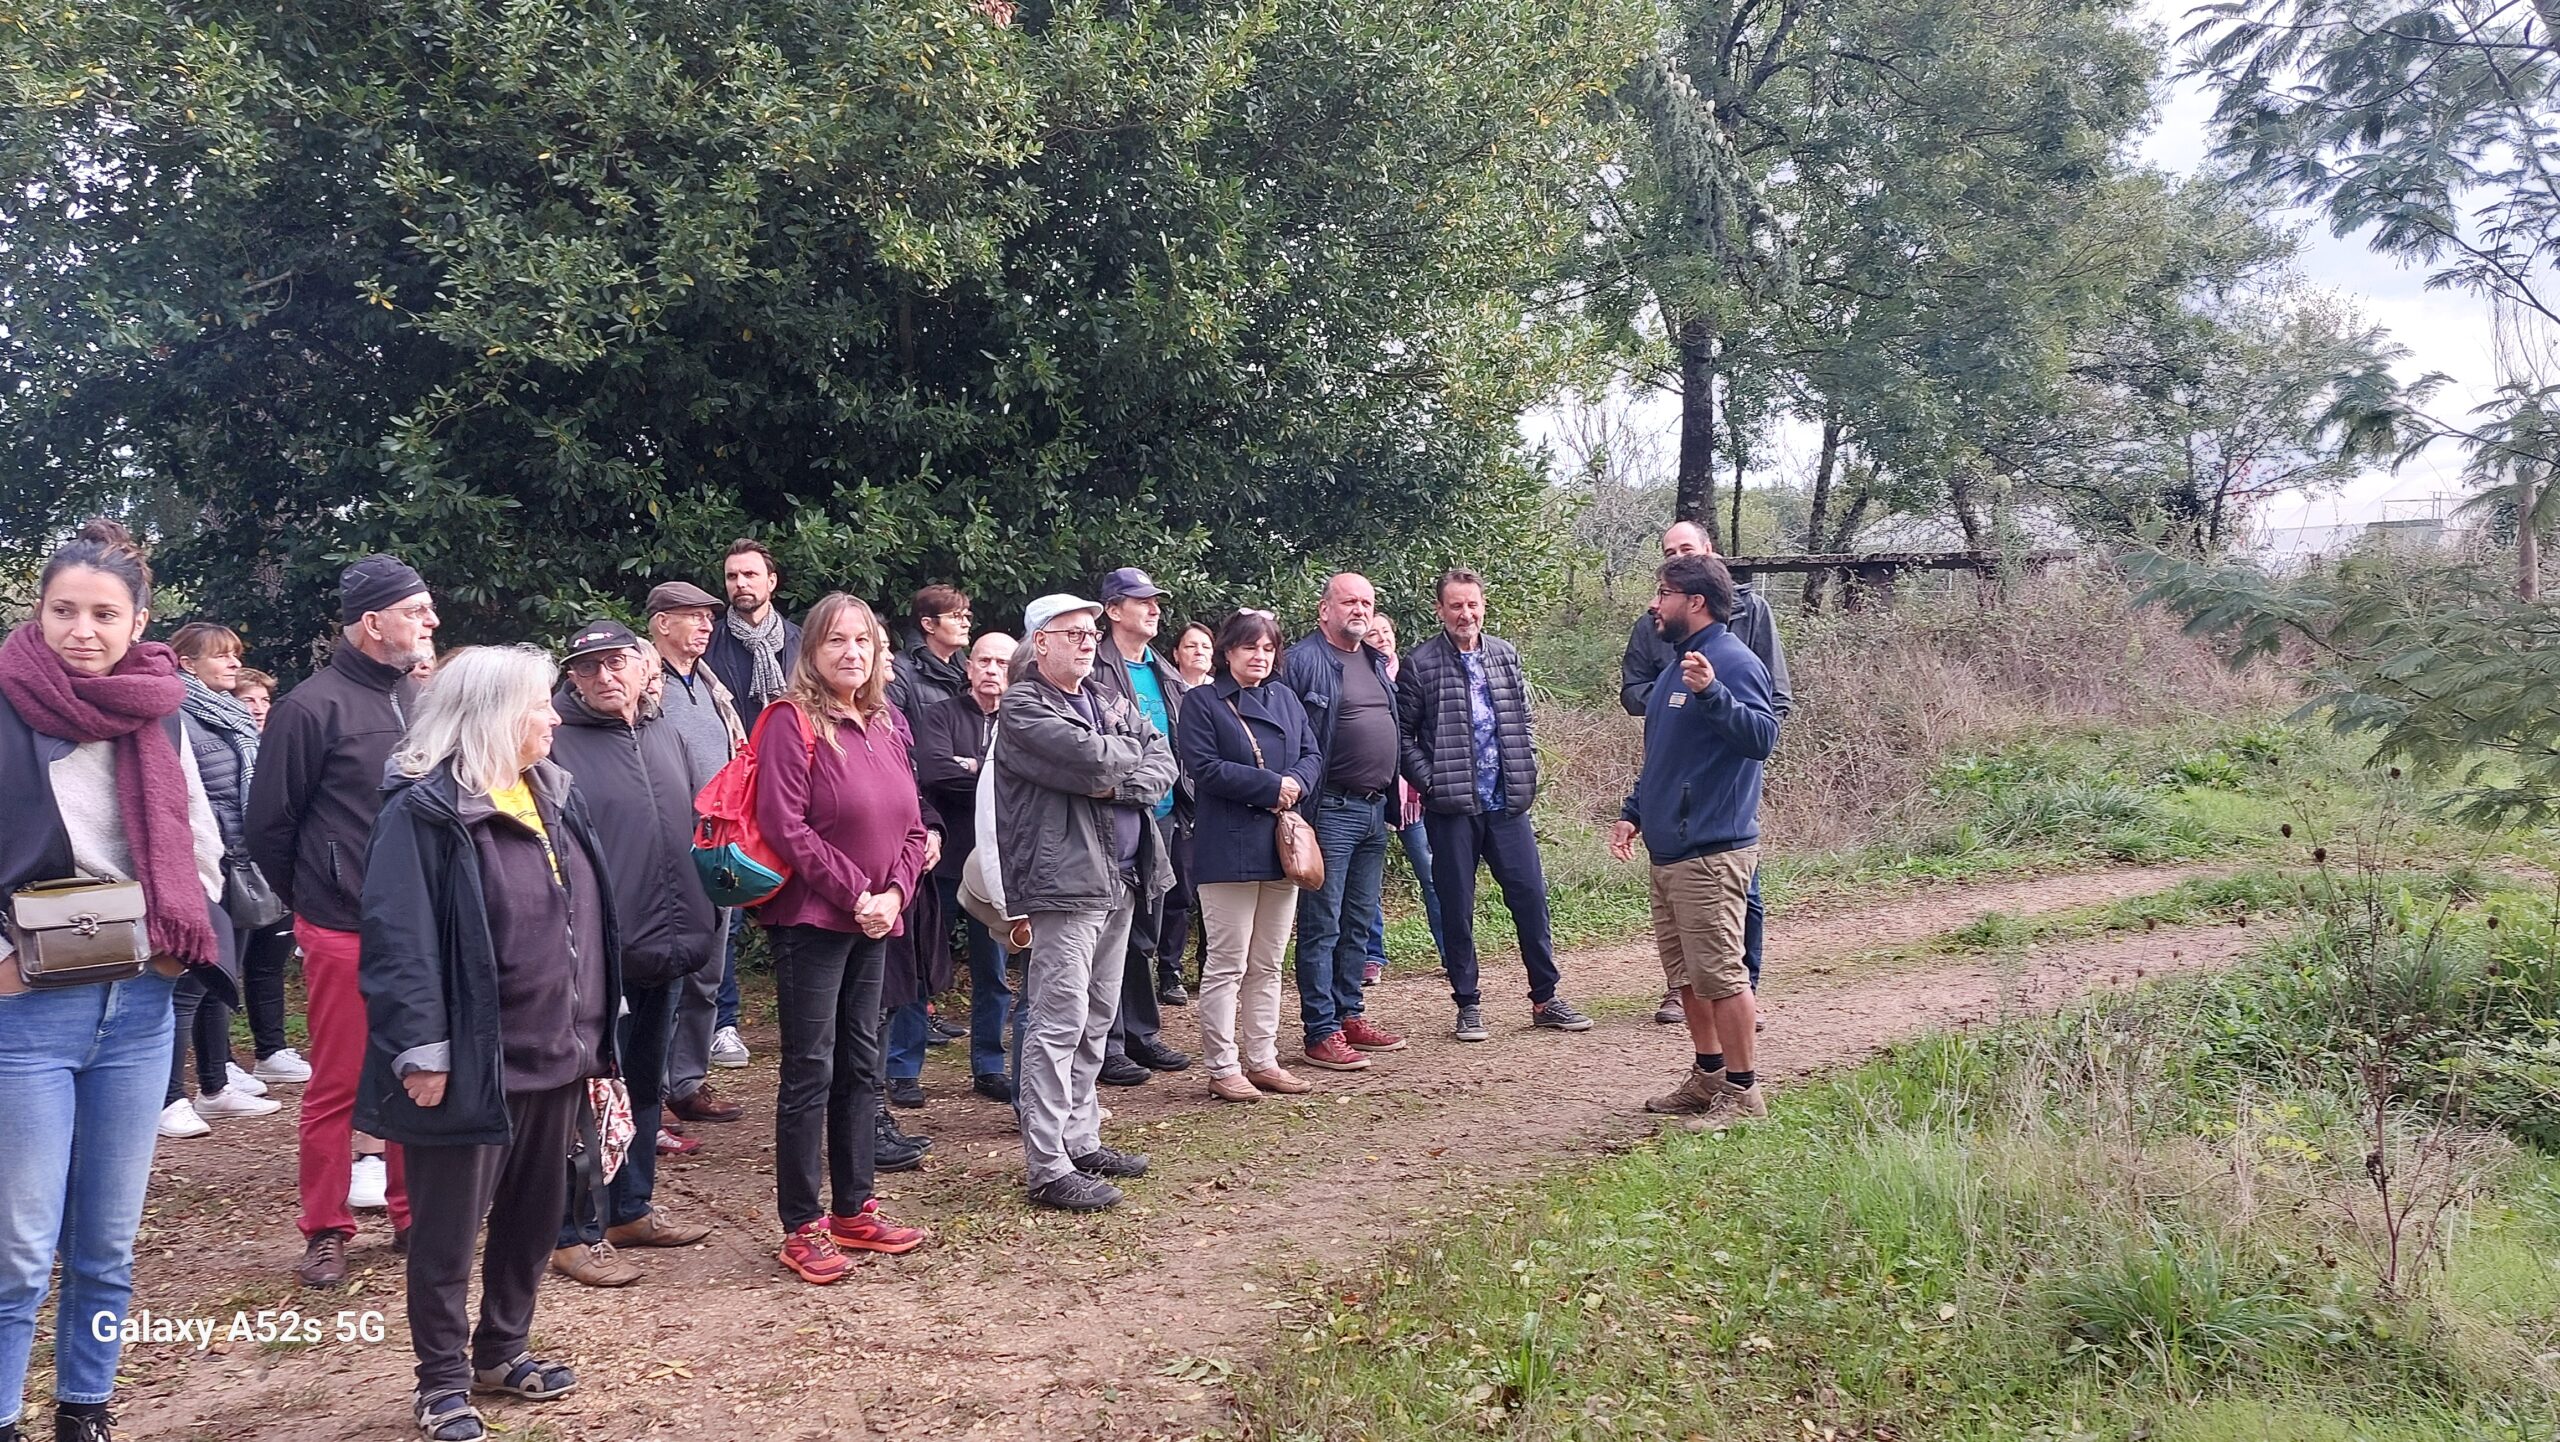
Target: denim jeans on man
<point>1334,922</point>
<point>990,991</point>
<point>1507,844</point>
<point>698,1008</point>
<point>85,1065</point>
<point>647,1027</point>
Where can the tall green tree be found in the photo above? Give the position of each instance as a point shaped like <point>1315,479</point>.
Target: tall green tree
<point>557,297</point>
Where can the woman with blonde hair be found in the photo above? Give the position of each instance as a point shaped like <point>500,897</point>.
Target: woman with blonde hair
<point>837,801</point>
<point>491,963</point>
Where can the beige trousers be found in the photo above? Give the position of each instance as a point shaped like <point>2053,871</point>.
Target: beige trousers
<point>1248,924</point>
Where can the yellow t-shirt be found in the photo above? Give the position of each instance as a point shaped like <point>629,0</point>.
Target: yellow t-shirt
<point>516,800</point>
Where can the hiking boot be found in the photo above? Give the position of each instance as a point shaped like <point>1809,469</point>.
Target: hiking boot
<point>1735,1105</point>
<point>703,1104</point>
<point>1361,1034</point>
<point>283,1066</point>
<point>1558,1015</point>
<point>1471,1024</point>
<point>944,1027</point>
<point>1277,1079</point>
<point>324,1261</point>
<point>811,1252</point>
<point>1335,1054</point>
<point>1076,1192</point>
<point>75,1423</point>
<point>1121,1071</point>
<point>868,1231</point>
<point>728,1049</point>
<point>993,1085</point>
<point>449,1417</point>
<point>1695,1096</point>
<point>893,1150</point>
<point>1111,1162</point>
<point>653,1229</point>
<point>1233,1089</point>
<point>1670,1013</point>
<point>1171,992</point>
<point>898,1136</point>
<point>906,1091</point>
<point>593,1264</point>
<point>1154,1055</point>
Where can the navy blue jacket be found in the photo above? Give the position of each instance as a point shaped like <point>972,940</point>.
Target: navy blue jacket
<point>1313,669</point>
<point>730,660</point>
<point>1233,830</point>
<point>1699,793</point>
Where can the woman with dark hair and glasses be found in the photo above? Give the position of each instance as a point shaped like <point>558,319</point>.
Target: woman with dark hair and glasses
<point>1251,755</point>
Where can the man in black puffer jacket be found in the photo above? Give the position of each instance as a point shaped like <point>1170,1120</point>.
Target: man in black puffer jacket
<point>635,778</point>
<point>1470,749</point>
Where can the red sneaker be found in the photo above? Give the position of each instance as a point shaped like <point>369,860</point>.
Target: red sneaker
<point>868,1231</point>
<point>677,1144</point>
<point>812,1253</point>
<point>1361,1034</point>
<point>1335,1054</point>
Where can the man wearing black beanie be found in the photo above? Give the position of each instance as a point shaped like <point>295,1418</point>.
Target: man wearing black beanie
<point>311,807</point>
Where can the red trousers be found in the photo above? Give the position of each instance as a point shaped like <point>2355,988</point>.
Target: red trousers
<point>336,1054</point>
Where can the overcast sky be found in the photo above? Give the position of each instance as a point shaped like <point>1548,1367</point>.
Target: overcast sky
<point>2446,331</point>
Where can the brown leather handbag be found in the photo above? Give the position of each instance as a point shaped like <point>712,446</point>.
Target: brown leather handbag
<point>1301,857</point>
<point>78,931</point>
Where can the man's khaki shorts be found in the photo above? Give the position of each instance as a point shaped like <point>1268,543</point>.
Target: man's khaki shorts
<point>1698,906</point>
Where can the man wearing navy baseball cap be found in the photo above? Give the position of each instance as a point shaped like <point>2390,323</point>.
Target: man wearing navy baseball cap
<point>1128,667</point>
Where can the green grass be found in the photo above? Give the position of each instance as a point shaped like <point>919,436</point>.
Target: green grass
<point>2127,1223</point>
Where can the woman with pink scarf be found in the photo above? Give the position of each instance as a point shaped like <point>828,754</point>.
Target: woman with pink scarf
<point>100,787</point>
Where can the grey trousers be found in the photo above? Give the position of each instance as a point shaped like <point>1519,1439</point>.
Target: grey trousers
<point>697,1009</point>
<point>1071,992</point>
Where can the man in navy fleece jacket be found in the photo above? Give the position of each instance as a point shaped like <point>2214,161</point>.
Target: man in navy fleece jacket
<point>1707,732</point>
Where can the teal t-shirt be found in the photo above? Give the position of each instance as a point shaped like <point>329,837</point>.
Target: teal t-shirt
<point>1149,690</point>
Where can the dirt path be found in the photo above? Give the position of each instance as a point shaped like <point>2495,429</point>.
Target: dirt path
<point>1024,1324</point>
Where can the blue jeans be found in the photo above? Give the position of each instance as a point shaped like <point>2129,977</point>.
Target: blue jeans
<point>1506,844</point>
<point>909,1027</point>
<point>645,1031</point>
<point>727,1014</point>
<point>1417,853</point>
<point>84,1065</point>
<point>990,992</point>
<point>1334,923</point>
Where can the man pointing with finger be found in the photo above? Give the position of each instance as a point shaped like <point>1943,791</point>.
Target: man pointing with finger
<point>1708,728</point>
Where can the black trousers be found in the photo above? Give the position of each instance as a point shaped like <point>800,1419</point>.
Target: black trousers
<point>826,990</point>
<point>1141,1014</point>
<point>204,1026</point>
<point>518,1189</point>
<point>1173,934</point>
<point>646,1028</point>
<point>262,968</point>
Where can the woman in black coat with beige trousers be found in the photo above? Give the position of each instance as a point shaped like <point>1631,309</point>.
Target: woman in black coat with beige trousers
<point>1249,753</point>
<point>490,977</point>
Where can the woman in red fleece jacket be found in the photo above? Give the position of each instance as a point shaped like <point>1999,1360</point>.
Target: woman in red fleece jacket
<point>837,798</point>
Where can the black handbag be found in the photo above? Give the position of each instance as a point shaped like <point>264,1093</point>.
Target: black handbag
<point>250,902</point>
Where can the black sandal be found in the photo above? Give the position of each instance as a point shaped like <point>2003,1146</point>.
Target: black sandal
<point>450,1417</point>
<point>527,1378</point>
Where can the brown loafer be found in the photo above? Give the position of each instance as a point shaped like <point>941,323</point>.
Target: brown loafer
<point>705,1105</point>
<point>1233,1089</point>
<point>324,1261</point>
<point>1279,1079</point>
<point>655,1230</point>
<point>594,1264</point>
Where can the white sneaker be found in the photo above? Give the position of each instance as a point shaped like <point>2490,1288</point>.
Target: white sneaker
<point>241,1081</point>
<point>179,1119</point>
<point>233,1102</point>
<point>286,1066</point>
<point>728,1049</point>
<point>369,1185</point>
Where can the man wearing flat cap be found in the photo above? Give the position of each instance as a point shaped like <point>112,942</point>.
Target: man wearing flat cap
<point>311,807</point>
<point>700,709</point>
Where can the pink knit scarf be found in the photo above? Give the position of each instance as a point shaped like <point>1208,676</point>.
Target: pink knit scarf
<point>126,707</point>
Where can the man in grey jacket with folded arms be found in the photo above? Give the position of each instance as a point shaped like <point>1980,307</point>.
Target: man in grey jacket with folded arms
<point>1078,774</point>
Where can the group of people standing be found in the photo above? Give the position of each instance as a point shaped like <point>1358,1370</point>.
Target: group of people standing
<point>517,979</point>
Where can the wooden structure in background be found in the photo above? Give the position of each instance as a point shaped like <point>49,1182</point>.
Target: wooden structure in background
<point>1870,575</point>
